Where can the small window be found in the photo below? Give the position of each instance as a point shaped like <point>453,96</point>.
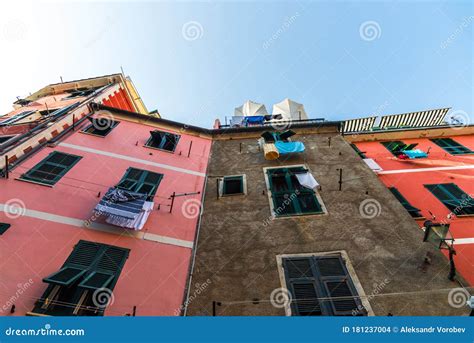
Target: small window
<point>52,168</point>
<point>414,212</point>
<point>320,285</point>
<point>163,140</point>
<point>289,197</point>
<point>140,181</point>
<point>233,185</point>
<point>453,197</point>
<point>451,146</point>
<point>100,126</point>
<point>4,227</point>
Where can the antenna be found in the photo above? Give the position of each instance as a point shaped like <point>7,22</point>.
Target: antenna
<point>61,79</point>
<point>123,73</point>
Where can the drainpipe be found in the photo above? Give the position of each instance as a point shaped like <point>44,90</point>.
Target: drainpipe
<point>196,239</point>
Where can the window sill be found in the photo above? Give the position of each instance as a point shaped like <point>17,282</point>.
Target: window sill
<point>419,218</point>
<point>93,134</point>
<point>164,150</point>
<point>302,215</point>
<point>464,215</point>
<point>34,182</point>
<point>231,195</point>
<point>34,314</point>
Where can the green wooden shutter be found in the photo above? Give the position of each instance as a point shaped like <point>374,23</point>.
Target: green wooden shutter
<point>414,212</point>
<point>338,287</point>
<point>302,285</point>
<point>393,146</point>
<point>454,198</point>
<point>288,196</point>
<point>321,285</point>
<point>140,181</point>
<point>451,146</point>
<point>51,169</point>
<point>4,227</point>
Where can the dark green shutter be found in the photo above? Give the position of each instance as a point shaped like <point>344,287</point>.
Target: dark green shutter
<point>288,196</point>
<point>321,285</point>
<point>4,227</point>
<point>414,212</point>
<point>454,198</point>
<point>140,181</point>
<point>393,146</point>
<point>51,169</point>
<point>451,146</point>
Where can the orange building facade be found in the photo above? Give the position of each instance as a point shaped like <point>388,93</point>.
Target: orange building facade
<point>437,187</point>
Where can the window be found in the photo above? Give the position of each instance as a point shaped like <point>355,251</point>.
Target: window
<point>89,267</point>
<point>100,126</point>
<point>163,140</point>
<point>288,196</point>
<point>414,212</point>
<point>451,146</point>
<point>320,285</point>
<point>17,117</point>
<point>52,168</point>
<point>453,198</point>
<point>4,139</point>
<point>356,149</point>
<point>140,181</point>
<point>393,146</point>
<point>233,185</point>
<point>4,227</point>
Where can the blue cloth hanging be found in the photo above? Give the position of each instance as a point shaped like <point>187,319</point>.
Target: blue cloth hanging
<point>254,119</point>
<point>289,147</point>
<point>417,153</point>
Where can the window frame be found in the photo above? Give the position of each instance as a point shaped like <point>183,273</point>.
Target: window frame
<point>140,182</point>
<point>348,267</point>
<point>453,148</point>
<point>305,191</point>
<point>405,203</point>
<point>26,177</point>
<point>452,202</point>
<point>151,139</point>
<point>115,123</point>
<point>222,185</point>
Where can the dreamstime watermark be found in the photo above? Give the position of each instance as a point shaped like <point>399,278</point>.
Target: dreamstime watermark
<point>370,30</point>
<point>281,125</point>
<point>102,297</point>
<point>104,122</point>
<point>458,297</point>
<point>375,292</point>
<point>280,298</point>
<point>370,208</point>
<point>45,331</point>
<point>281,209</point>
<point>22,287</point>
<point>15,208</point>
<point>459,30</point>
<point>199,289</point>
<point>191,208</point>
<point>458,119</point>
<point>287,22</point>
<point>192,30</point>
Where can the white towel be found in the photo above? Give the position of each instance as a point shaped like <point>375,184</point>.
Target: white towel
<point>307,180</point>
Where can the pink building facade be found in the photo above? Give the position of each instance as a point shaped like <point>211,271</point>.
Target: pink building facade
<point>61,257</point>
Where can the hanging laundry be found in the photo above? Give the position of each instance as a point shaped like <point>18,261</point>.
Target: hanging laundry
<point>289,147</point>
<point>254,120</point>
<point>417,153</point>
<point>307,180</point>
<point>124,208</point>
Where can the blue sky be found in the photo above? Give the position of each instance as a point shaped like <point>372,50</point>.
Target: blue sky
<point>340,59</point>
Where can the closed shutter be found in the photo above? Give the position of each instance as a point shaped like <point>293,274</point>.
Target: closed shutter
<point>414,212</point>
<point>454,198</point>
<point>321,285</point>
<point>52,168</point>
